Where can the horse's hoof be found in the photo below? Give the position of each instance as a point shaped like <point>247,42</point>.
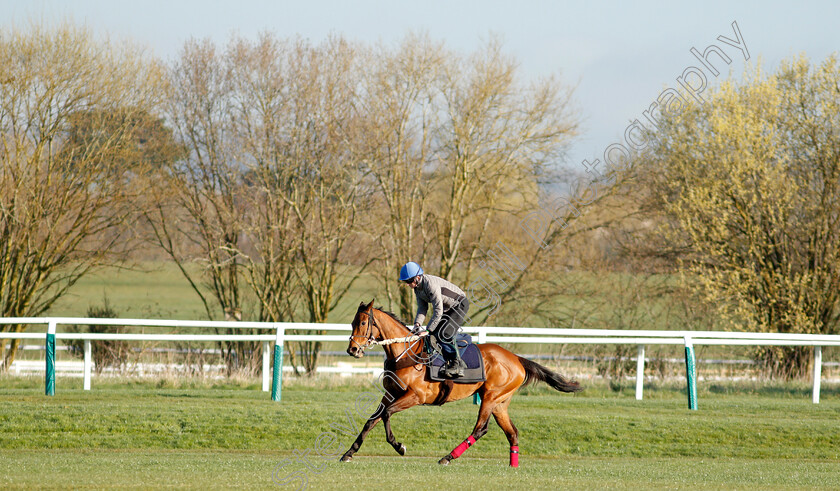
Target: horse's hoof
<point>346,458</point>
<point>446,460</point>
<point>401,450</point>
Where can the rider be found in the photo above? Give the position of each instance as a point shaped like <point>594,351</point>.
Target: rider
<point>449,307</point>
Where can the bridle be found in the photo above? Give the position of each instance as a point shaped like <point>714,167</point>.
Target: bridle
<point>370,341</point>
<point>368,333</point>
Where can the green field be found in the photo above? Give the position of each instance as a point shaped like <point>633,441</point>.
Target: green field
<point>128,434</point>
<point>181,432</point>
<point>157,290</point>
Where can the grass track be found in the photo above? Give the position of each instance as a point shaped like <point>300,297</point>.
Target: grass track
<point>125,469</point>
<point>143,436</point>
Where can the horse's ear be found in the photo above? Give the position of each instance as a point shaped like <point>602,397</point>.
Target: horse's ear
<point>370,305</point>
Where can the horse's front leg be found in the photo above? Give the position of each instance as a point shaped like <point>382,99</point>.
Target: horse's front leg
<point>369,424</point>
<point>403,402</point>
<point>407,400</point>
<point>389,435</point>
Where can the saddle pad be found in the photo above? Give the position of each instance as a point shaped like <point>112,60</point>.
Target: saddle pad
<point>472,374</point>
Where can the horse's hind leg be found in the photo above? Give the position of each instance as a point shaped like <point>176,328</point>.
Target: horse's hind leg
<point>484,412</point>
<point>500,413</point>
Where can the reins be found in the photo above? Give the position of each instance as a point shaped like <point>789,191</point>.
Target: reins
<point>406,339</point>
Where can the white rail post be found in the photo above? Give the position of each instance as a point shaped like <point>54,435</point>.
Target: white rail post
<point>277,383</point>
<point>640,372</point>
<point>817,373</point>
<point>87,364</point>
<point>265,366</point>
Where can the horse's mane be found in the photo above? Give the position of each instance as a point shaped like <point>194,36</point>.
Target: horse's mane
<point>391,315</point>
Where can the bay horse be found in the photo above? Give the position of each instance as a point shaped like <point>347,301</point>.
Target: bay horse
<point>407,383</point>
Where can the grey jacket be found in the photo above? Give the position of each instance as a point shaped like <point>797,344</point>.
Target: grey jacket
<point>443,296</point>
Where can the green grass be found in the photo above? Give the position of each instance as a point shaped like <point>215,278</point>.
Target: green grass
<point>158,290</point>
<point>146,435</point>
<point>250,470</point>
<point>154,290</point>
<point>193,433</point>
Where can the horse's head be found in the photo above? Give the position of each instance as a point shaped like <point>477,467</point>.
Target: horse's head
<point>364,330</point>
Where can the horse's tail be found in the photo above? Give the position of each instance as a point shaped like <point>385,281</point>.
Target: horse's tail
<point>535,371</point>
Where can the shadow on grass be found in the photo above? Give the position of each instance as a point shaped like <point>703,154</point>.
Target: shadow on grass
<point>774,390</point>
<point>599,388</point>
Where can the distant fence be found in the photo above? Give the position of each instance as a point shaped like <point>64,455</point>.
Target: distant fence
<point>483,335</point>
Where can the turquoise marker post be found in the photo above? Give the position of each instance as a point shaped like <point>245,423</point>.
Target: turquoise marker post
<point>481,338</point>
<point>277,378</point>
<point>49,382</point>
<point>690,374</point>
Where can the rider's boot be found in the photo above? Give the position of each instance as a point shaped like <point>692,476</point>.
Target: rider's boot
<point>454,367</point>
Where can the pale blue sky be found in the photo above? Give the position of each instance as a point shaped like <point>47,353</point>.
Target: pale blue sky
<point>620,55</point>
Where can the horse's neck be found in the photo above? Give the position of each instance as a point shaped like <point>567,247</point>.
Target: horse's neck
<point>391,329</point>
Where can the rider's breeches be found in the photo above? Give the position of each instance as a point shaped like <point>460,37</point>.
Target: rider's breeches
<point>449,326</point>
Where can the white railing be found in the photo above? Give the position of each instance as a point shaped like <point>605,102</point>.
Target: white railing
<point>483,335</point>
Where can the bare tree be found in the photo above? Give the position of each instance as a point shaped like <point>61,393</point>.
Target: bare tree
<point>269,192</point>
<point>199,214</point>
<point>496,140</point>
<point>458,149</point>
<point>397,114</point>
<point>64,200</point>
<point>260,105</point>
<point>295,118</point>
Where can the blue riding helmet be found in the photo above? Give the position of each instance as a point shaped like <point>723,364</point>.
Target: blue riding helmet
<point>410,270</point>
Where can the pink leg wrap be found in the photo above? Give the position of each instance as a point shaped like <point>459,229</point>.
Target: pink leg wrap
<point>514,456</point>
<point>462,447</point>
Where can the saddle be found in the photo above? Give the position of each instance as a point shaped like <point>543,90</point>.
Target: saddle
<point>470,354</point>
